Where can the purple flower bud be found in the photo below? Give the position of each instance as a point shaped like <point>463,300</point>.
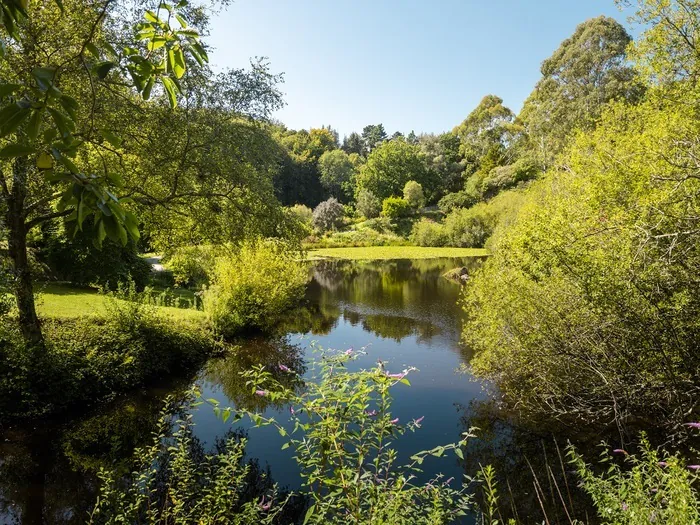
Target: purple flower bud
<point>625,506</point>
<point>396,376</point>
<point>371,413</point>
<point>265,506</point>
<point>694,467</point>
<point>394,421</point>
<point>284,368</point>
<point>348,351</point>
<point>693,425</point>
<point>291,409</point>
<point>449,481</point>
<point>418,421</point>
<point>663,464</point>
<point>261,392</point>
<point>620,451</point>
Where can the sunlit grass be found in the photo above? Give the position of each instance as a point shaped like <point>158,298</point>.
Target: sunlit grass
<point>65,301</point>
<point>395,252</point>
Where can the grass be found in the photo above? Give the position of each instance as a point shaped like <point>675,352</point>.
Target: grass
<point>65,301</point>
<point>395,252</point>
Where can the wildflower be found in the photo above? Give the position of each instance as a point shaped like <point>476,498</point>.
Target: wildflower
<point>418,421</point>
<point>625,507</point>
<point>265,506</point>
<point>371,413</point>
<point>449,481</point>
<point>261,393</point>
<point>693,425</point>
<point>348,351</point>
<point>663,464</point>
<point>284,368</point>
<point>694,467</point>
<point>291,409</point>
<point>394,421</point>
<point>620,451</point>
<point>396,376</point>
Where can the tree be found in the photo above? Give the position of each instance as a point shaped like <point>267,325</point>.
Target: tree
<point>328,215</point>
<point>353,144</point>
<point>368,204</point>
<point>442,157</point>
<point>397,135</point>
<point>390,167</point>
<point>372,136</point>
<point>413,194</point>
<point>337,172</point>
<point>588,70</point>
<point>49,124</point>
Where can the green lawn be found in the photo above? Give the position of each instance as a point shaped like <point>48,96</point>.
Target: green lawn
<point>395,252</point>
<point>61,300</point>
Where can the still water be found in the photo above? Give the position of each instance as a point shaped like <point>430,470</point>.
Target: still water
<point>403,312</point>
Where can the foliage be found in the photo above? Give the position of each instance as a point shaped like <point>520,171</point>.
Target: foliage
<point>372,137</point>
<point>89,359</point>
<point>78,261</point>
<point>653,487</point>
<point>368,204</point>
<point>328,215</point>
<point>191,266</point>
<point>253,286</point>
<point>303,213</point>
<point>358,237</point>
<point>442,157</point>
<point>460,199</point>
<point>175,481</point>
<point>427,232</point>
<point>348,465</point>
<point>377,253</point>
<point>337,172</point>
<point>582,75</point>
<point>395,208</point>
<point>390,166</point>
<point>587,308</point>
<point>413,194</point>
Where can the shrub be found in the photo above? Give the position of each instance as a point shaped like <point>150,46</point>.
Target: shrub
<point>413,194</point>
<point>395,208</point>
<point>192,265</point>
<point>368,205</point>
<point>460,199</point>
<point>303,213</point>
<point>469,227</point>
<point>504,177</point>
<point>429,233</point>
<point>252,287</point>
<point>328,215</point>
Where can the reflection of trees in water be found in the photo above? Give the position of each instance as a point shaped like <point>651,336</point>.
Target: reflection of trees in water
<point>48,472</point>
<point>269,352</point>
<point>398,327</point>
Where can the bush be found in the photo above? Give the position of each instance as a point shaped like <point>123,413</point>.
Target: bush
<point>328,215</point>
<point>429,233</point>
<point>504,177</point>
<point>252,287</point>
<point>395,208</point>
<point>368,205</point>
<point>469,227</point>
<point>191,266</point>
<point>460,199</point>
<point>413,194</point>
<point>87,360</point>
<point>303,213</point>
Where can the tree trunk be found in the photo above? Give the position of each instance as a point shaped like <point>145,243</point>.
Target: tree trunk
<point>17,244</point>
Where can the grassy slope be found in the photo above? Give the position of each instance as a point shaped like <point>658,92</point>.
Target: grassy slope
<point>64,301</point>
<point>395,252</point>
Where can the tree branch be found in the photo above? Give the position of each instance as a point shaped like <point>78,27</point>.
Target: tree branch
<point>43,218</point>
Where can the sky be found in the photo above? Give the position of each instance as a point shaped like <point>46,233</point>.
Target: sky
<point>418,65</point>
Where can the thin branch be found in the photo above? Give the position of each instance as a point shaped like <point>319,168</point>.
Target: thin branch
<point>43,218</point>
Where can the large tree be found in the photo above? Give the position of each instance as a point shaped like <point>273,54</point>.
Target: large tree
<point>372,136</point>
<point>588,70</point>
<point>390,166</point>
<point>337,172</point>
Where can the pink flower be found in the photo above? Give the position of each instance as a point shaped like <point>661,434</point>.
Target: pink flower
<point>694,467</point>
<point>418,421</point>
<point>371,413</point>
<point>625,506</point>
<point>291,409</point>
<point>284,368</point>
<point>348,351</point>
<point>663,464</point>
<point>397,376</point>
<point>394,421</point>
<point>693,425</point>
<point>620,451</point>
<point>265,506</point>
<point>449,481</point>
<point>261,392</point>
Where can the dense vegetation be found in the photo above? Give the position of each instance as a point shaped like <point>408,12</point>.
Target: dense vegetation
<point>117,139</point>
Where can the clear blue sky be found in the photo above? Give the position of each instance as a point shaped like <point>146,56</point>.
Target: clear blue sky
<point>418,65</point>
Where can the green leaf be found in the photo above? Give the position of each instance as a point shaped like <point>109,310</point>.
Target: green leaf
<point>92,48</point>
<point>102,69</point>
<point>8,89</point>
<point>170,89</point>
<point>101,233</point>
<point>111,138</point>
<point>44,77</point>
<point>65,126</point>
<point>309,513</point>
<point>179,66</point>
<point>151,16</point>
<point>285,446</point>
<point>82,212</point>
<point>200,49</point>
<point>156,43</point>
<point>132,225</point>
<point>70,105</point>
<point>16,150</point>
<point>34,124</point>
<point>17,116</point>
<point>182,20</point>
<point>459,453</point>
<point>149,87</point>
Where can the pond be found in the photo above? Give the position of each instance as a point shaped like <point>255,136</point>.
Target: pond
<point>403,312</point>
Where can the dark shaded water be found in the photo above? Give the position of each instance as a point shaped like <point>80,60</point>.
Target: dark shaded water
<point>403,312</point>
